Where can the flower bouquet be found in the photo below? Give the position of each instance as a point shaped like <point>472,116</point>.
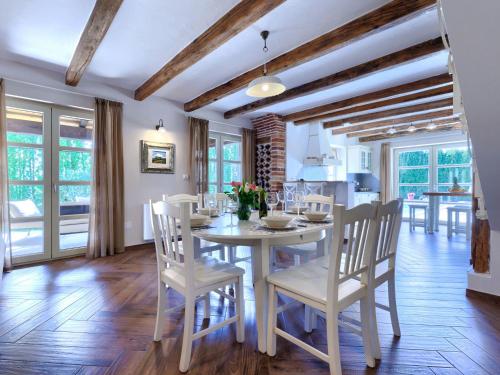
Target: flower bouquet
<point>247,195</point>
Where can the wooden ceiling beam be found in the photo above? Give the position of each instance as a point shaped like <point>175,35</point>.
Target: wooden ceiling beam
<point>434,115</point>
<point>432,94</point>
<point>404,89</point>
<point>413,53</point>
<point>386,16</point>
<point>441,128</point>
<point>96,28</point>
<point>438,104</point>
<point>242,15</point>
<point>398,127</point>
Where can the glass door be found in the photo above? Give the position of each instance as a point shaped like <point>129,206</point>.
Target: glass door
<point>224,161</point>
<point>28,161</point>
<point>50,169</point>
<point>71,176</point>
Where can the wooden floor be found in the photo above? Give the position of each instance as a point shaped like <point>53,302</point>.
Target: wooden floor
<point>80,317</point>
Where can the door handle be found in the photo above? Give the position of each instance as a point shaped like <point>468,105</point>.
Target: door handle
<point>54,188</point>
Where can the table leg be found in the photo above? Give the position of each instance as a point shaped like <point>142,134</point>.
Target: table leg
<point>196,246</point>
<point>322,244</point>
<point>430,219</point>
<point>436,214</point>
<point>260,270</point>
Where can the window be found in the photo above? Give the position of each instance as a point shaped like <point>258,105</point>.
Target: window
<point>224,161</point>
<point>431,168</point>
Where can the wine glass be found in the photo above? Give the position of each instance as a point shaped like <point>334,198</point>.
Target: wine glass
<point>210,202</point>
<point>299,200</point>
<point>272,201</point>
<point>232,207</point>
<point>280,197</point>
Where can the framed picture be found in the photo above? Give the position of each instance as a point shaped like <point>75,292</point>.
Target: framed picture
<point>157,157</point>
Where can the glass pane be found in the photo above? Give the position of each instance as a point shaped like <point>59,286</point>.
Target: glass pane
<point>414,176</point>
<point>232,172</point>
<point>25,163</point>
<point>463,174</point>
<point>25,200</point>
<point>455,155</point>
<point>414,158</point>
<point>24,126</point>
<point>231,150</point>
<point>212,188</point>
<point>26,238</point>
<point>212,171</point>
<point>75,132</point>
<point>227,189</point>
<point>212,148</point>
<point>75,166</point>
<point>413,192</point>
<point>73,233</point>
<point>74,199</point>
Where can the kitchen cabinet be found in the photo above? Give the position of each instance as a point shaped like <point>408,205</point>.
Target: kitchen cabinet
<point>365,197</point>
<point>359,159</point>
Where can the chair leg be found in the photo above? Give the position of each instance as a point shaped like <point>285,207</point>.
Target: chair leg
<point>271,321</point>
<point>296,260</point>
<point>332,337</point>
<point>222,253</point>
<point>373,325</point>
<point>206,307</point>
<point>391,287</point>
<point>365,328</point>
<point>308,316</point>
<point>160,311</point>
<point>187,339</point>
<point>468,225</point>
<point>240,311</point>
<point>449,224</point>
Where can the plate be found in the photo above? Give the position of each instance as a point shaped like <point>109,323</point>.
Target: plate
<point>325,220</point>
<point>288,227</point>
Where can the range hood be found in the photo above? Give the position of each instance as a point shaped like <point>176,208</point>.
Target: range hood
<point>319,153</point>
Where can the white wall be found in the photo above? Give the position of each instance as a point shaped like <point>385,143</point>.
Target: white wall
<point>473,30</point>
<point>139,119</point>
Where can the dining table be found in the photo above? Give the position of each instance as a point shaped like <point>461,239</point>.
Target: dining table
<point>434,203</point>
<point>261,239</point>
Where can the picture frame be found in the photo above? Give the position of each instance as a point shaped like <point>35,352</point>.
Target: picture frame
<point>157,157</point>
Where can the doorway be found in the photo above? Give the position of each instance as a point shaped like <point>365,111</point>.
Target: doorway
<point>50,170</point>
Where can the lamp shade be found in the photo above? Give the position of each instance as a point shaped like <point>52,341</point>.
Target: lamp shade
<point>265,86</point>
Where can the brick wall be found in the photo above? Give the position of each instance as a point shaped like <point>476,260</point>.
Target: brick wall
<point>271,129</point>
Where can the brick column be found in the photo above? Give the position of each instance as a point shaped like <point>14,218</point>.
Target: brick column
<point>270,133</point>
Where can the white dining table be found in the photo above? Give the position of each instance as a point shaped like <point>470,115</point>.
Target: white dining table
<point>261,241</point>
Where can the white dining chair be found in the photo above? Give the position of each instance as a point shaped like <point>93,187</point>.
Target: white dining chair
<point>332,289</point>
<point>389,218</point>
<point>314,188</point>
<point>193,278</point>
<point>195,202</point>
<point>303,252</point>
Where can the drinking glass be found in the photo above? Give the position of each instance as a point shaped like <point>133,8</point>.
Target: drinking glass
<point>299,201</point>
<point>280,198</point>
<point>272,201</point>
<point>210,202</point>
<point>232,207</point>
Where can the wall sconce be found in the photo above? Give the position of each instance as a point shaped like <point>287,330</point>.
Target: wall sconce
<point>160,127</point>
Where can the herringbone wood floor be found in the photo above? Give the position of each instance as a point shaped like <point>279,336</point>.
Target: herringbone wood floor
<point>97,317</point>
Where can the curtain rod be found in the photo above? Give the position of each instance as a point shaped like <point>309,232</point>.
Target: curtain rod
<point>218,122</point>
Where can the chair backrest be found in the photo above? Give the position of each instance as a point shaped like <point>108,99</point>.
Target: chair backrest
<point>389,218</point>
<point>290,189</point>
<point>360,225</point>
<point>184,198</point>
<point>166,219</point>
<point>314,188</point>
<point>318,202</point>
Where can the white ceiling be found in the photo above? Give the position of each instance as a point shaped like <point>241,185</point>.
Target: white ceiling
<point>145,35</point>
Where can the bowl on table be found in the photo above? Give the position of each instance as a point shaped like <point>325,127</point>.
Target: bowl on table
<point>315,215</point>
<point>198,220</point>
<point>277,221</point>
<point>208,211</point>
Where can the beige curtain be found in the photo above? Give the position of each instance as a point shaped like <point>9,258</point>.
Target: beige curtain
<point>106,233</point>
<point>248,152</point>
<point>385,173</point>
<point>5,250</point>
<point>198,154</point>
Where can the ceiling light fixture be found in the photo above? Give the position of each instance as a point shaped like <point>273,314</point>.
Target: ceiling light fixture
<point>160,127</point>
<point>411,128</point>
<point>265,86</point>
<point>391,131</point>
<point>431,126</point>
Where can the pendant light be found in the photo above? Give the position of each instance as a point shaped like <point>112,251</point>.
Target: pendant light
<point>431,126</point>
<point>265,86</point>
<point>411,128</point>
<point>391,131</point>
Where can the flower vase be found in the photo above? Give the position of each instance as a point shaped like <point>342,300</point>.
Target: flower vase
<point>244,211</point>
